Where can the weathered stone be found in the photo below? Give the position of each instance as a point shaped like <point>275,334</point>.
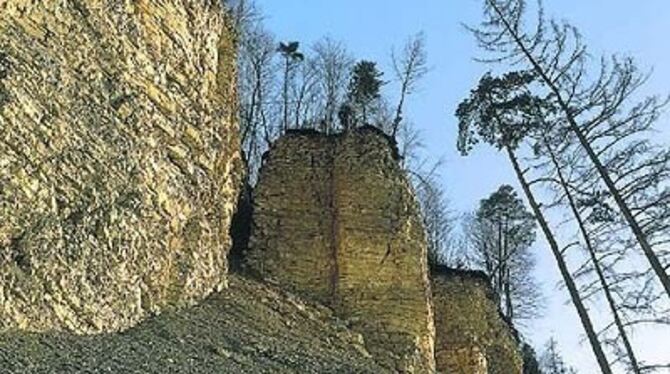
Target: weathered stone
<point>335,219</point>
<point>471,336</point>
<point>118,159</point>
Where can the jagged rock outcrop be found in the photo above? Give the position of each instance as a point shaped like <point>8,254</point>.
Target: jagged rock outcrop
<point>247,328</point>
<point>335,219</point>
<point>118,159</point>
<point>471,335</point>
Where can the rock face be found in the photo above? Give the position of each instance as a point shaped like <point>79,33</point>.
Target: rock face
<point>118,159</point>
<point>471,336</point>
<point>335,220</point>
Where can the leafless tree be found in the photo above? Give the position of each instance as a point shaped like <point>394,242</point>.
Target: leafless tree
<point>568,197</point>
<point>409,67</point>
<point>305,93</point>
<point>333,65</point>
<point>256,84</point>
<point>438,220</point>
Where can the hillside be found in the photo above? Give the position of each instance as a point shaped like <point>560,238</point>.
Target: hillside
<point>247,328</point>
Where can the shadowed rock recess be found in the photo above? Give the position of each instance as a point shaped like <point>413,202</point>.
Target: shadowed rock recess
<point>471,335</point>
<point>335,220</point>
<point>118,159</point>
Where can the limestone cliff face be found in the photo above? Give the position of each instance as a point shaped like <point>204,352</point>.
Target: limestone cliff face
<point>335,220</point>
<point>471,336</point>
<point>118,159</point>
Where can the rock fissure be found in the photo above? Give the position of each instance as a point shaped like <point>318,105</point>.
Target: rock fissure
<point>334,230</point>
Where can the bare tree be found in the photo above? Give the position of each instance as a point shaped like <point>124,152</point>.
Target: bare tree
<point>437,218</point>
<point>556,54</point>
<point>409,68</point>
<point>564,184</point>
<point>306,94</point>
<point>256,83</point>
<point>333,65</point>
<point>245,14</point>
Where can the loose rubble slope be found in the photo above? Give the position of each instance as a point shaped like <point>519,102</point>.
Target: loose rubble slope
<point>247,328</point>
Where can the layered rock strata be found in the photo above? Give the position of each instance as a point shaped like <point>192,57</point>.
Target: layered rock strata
<point>335,220</point>
<point>471,336</point>
<point>118,159</point>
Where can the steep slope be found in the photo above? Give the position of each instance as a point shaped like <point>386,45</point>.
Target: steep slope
<point>247,328</point>
<point>119,159</point>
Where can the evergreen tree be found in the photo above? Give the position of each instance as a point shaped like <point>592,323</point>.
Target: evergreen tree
<point>502,232</point>
<point>552,362</point>
<point>292,56</point>
<point>364,89</point>
<point>530,362</point>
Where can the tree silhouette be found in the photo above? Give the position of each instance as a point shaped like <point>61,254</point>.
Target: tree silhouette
<point>289,51</point>
<point>501,233</point>
<point>364,88</point>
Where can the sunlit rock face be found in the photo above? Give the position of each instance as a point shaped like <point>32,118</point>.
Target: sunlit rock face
<point>470,335</point>
<point>118,159</point>
<point>335,219</point>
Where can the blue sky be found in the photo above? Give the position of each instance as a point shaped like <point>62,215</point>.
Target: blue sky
<point>370,28</point>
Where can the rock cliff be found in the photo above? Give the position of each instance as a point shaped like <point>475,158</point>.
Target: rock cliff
<point>335,220</point>
<point>471,335</point>
<point>118,159</point>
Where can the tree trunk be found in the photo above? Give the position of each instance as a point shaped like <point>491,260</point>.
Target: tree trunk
<point>398,113</point>
<point>563,268</point>
<point>501,266</point>
<point>604,174</point>
<point>596,263</point>
<point>286,74</point>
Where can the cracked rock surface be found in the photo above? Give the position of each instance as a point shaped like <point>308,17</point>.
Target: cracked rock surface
<point>335,220</point>
<point>118,160</point>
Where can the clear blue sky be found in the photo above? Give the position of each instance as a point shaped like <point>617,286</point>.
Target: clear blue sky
<point>369,28</point>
